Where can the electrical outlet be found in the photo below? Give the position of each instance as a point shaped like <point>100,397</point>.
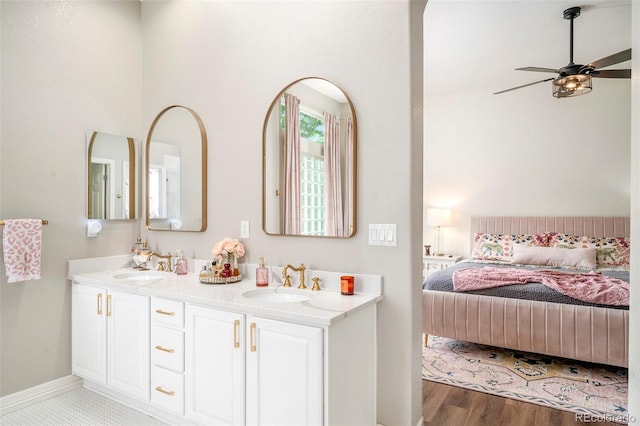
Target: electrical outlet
<point>244,229</point>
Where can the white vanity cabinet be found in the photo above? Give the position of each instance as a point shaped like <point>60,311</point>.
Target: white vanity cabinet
<point>284,373</point>
<point>89,333</point>
<point>194,354</point>
<point>280,363</point>
<point>110,334</point>
<point>214,368</point>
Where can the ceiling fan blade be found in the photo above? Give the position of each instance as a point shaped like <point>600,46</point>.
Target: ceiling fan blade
<point>611,74</point>
<point>616,58</point>
<point>538,69</point>
<point>524,85</point>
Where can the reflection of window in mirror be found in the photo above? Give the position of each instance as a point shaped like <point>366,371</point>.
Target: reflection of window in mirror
<point>164,181</point>
<point>312,183</point>
<point>157,191</point>
<point>309,147</point>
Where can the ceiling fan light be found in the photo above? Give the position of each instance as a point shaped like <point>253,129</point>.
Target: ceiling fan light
<point>571,85</point>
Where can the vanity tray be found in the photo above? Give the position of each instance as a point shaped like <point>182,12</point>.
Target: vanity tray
<point>220,280</point>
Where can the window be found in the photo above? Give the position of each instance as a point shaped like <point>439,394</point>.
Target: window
<point>312,211</point>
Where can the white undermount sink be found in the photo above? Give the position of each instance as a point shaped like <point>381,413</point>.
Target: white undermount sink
<point>140,276</point>
<point>278,295</point>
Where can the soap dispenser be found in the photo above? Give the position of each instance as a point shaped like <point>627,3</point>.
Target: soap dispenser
<point>181,264</point>
<point>262,274</point>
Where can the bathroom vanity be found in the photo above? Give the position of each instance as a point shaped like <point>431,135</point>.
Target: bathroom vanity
<point>233,354</point>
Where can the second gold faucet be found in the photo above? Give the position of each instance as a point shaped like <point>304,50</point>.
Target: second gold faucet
<point>286,276</point>
<point>158,255</point>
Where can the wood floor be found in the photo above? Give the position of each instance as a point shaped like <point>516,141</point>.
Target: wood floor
<point>444,405</point>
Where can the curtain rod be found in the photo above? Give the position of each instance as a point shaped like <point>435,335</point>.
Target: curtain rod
<point>44,222</point>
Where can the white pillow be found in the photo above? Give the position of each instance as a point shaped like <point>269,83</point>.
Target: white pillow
<point>580,258</point>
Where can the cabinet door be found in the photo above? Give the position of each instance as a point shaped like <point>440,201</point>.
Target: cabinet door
<point>128,343</point>
<point>214,366</point>
<point>89,332</point>
<point>284,373</point>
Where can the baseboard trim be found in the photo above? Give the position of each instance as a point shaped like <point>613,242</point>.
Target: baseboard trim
<point>142,406</point>
<point>24,398</point>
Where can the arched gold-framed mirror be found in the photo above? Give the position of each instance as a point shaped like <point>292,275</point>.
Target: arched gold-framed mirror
<point>176,172</point>
<point>309,163</point>
<point>111,177</point>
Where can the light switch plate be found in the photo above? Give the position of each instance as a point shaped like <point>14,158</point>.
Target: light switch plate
<point>383,234</point>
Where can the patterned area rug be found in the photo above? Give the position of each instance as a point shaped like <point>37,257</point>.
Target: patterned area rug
<point>580,387</point>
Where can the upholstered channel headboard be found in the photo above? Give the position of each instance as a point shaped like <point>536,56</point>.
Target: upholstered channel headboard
<point>594,226</point>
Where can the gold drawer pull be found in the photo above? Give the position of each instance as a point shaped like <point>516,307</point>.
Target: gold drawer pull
<point>99,303</point>
<point>161,312</point>
<point>166,392</point>
<point>252,328</point>
<point>236,326</point>
<point>160,348</point>
<point>109,305</point>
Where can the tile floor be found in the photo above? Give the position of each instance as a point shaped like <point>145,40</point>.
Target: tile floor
<point>79,407</point>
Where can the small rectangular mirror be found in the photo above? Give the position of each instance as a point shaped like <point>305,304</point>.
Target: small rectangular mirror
<point>110,177</point>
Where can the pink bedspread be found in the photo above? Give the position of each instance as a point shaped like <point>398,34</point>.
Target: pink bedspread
<point>590,287</point>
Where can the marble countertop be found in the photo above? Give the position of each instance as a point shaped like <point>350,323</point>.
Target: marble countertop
<point>322,308</point>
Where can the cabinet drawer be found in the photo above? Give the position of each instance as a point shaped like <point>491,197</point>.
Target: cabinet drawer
<point>167,348</point>
<point>167,312</point>
<point>167,390</point>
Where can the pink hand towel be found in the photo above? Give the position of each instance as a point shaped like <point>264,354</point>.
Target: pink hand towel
<point>22,246</point>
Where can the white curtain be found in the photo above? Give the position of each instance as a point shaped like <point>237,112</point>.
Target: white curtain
<point>332,177</point>
<point>349,178</point>
<point>292,165</point>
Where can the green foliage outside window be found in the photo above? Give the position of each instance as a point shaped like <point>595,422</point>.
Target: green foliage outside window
<point>311,128</point>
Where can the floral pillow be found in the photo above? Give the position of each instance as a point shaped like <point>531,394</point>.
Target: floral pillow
<point>611,251</point>
<point>499,247</point>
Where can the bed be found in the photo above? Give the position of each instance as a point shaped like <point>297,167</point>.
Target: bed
<point>510,318</point>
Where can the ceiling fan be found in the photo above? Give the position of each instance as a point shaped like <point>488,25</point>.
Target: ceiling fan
<point>575,79</point>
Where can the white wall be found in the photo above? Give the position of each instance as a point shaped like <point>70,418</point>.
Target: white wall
<point>522,152</point>
<point>526,153</point>
<point>634,314</point>
<point>67,68</point>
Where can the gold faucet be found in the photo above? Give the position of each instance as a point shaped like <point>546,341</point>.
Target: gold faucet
<point>158,255</point>
<point>286,277</point>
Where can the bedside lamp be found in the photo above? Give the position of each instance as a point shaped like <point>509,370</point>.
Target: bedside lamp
<point>438,218</point>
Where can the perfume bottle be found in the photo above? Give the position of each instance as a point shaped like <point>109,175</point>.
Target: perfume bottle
<point>262,274</point>
<point>181,264</point>
<point>204,274</point>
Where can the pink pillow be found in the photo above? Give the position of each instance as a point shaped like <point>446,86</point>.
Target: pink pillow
<point>579,258</point>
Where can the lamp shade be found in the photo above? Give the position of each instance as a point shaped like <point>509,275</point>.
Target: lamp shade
<point>571,85</point>
<point>438,217</point>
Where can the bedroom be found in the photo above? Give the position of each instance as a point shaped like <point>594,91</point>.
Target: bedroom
<point>554,141</point>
